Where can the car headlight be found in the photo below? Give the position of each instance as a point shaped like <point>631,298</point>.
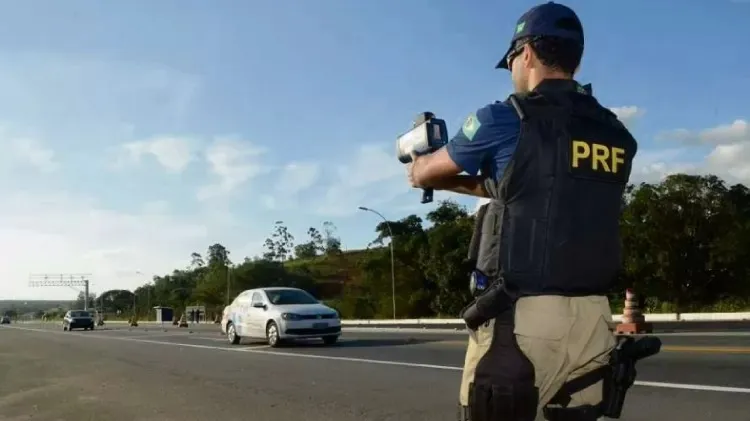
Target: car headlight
<point>291,316</point>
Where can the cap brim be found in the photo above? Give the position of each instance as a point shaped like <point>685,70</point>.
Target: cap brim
<point>503,63</point>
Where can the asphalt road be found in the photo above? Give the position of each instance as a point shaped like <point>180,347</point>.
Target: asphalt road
<point>149,373</point>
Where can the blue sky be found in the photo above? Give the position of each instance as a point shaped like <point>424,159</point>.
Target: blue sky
<point>137,132</point>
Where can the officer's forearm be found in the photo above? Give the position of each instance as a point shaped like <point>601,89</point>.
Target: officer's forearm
<point>462,184</point>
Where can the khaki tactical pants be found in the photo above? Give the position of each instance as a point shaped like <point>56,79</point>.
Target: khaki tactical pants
<point>563,337</point>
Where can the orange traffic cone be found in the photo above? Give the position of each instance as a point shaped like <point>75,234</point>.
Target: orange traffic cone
<point>633,320</point>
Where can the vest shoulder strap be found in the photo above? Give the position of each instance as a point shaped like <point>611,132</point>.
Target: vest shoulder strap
<point>576,104</point>
<point>533,104</point>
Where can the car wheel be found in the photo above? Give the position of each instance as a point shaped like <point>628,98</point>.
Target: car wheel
<point>65,328</point>
<point>232,335</point>
<point>272,335</point>
<point>330,340</point>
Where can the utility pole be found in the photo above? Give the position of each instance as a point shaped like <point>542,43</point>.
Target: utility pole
<point>393,264</point>
<point>229,271</point>
<point>148,297</point>
<point>63,280</point>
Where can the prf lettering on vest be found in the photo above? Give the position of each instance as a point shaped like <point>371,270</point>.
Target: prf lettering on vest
<point>597,157</point>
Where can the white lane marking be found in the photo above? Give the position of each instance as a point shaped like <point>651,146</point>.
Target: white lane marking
<point>153,335</point>
<point>131,331</point>
<point>462,332</point>
<point>703,334</point>
<point>256,345</point>
<point>698,387</point>
<point>701,387</point>
<point>203,338</point>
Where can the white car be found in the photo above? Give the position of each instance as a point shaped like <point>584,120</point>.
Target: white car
<point>279,314</point>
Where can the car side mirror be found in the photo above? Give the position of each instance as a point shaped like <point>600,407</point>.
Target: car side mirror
<point>259,305</point>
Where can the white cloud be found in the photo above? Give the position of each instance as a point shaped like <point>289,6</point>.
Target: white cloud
<point>728,158</point>
<point>628,114</point>
<point>373,176</point>
<point>63,233</point>
<point>726,134</point>
<point>173,153</point>
<point>293,178</point>
<point>32,152</point>
<point>233,162</point>
<point>296,177</point>
<point>732,161</point>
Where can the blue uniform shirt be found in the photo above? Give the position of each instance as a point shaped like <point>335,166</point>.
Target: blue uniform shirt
<point>488,137</point>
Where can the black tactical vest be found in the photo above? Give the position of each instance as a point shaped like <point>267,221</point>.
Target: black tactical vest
<point>556,210</point>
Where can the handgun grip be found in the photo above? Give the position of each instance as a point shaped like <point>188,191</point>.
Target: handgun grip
<point>427,195</point>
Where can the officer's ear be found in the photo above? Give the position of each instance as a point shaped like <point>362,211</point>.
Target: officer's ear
<point>528,55</point>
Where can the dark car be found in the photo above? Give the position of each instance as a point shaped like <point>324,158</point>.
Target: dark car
<point>78,319</point>
<point>5,320</point>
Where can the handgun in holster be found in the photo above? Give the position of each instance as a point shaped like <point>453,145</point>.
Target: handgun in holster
<point>622,371</point>
<point>618,376</point>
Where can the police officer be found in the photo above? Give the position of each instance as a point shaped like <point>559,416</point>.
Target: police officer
<point>554,163</point>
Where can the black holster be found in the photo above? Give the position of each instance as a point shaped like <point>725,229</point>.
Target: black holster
<point>493,301</point>
<point>618,376</point>
<point>622,372</point>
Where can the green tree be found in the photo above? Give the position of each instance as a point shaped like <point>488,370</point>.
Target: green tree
<point>311,248</point>
<point>331,243</point>
<point>676,240</point>
<point>686,246</point>
<point>445,258</point>
<point>211,288</point>
<point>80,301</point>
<point>281,243</point>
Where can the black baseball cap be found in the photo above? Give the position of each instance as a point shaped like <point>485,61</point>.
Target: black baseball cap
<point>546,20</point>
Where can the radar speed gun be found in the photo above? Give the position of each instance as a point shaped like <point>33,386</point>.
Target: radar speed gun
<point>428,134</point>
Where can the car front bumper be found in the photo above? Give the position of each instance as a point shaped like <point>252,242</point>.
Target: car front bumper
<point>80,324</point>
<point>310,328</point>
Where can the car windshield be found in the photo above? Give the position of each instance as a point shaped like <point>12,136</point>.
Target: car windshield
<point>289,296</point>
<point>79,314</point>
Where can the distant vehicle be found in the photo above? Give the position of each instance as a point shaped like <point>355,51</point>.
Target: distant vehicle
<point>78,319</point>
<point>5,320</point>
<point>279,315</point>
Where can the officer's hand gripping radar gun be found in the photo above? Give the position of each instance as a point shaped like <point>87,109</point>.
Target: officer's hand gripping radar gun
<point>428,134</point>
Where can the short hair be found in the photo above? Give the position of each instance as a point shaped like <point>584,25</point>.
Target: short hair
<point>558,53</point>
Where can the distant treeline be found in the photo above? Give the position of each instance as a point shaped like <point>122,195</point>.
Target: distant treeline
<point>686,248</point>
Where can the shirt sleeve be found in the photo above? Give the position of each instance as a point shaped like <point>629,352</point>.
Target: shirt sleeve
<point>490,132</point>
